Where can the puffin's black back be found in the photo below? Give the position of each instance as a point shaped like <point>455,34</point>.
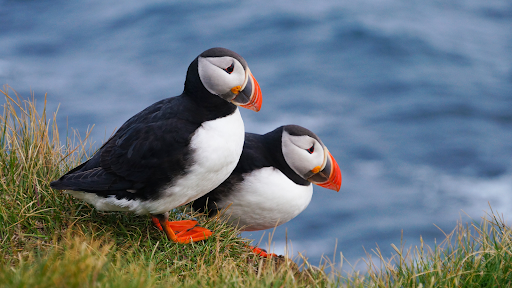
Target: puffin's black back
<point>151,148</point>
<point>259,151</point>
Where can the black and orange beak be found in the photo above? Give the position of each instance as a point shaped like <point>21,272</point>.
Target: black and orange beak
<point>329,176</point>
<point>250,96</point>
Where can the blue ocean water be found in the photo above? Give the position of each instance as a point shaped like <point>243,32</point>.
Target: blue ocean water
<point>413,98</point>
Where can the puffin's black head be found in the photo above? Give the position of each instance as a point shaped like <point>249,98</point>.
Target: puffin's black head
<point>305,153</point>
<point>224,73</point>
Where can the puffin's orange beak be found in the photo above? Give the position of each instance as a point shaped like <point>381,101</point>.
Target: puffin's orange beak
<point>250,97</point>
<point>330,176</point>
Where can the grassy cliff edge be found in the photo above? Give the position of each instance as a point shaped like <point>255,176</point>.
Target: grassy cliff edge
<point>49,239</point>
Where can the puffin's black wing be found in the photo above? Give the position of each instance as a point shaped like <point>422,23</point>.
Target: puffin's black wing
<point>147,151</point>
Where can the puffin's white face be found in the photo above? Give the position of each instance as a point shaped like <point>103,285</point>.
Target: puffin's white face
<point>223,76</point>
<point>304,154</point>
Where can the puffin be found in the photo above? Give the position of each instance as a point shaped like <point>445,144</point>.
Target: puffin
<point>174,151</point>
<point>272,182</point>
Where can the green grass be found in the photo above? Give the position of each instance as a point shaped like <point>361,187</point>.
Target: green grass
<point>50,239</point>
<point>472,255</point>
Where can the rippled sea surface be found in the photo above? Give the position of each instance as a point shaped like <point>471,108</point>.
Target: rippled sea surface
<point>413,98</point>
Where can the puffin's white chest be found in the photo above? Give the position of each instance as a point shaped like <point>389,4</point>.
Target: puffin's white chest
<point>216,148</point>
<point>266,198</point>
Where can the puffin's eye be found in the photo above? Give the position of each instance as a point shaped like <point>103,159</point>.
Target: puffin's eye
<point>230,68</point>
<point>311,149</point>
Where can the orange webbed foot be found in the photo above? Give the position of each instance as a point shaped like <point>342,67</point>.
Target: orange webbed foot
<point>188,231</point>
<point>262,252</point>
<point>176,226</point>
<point>193,235</point>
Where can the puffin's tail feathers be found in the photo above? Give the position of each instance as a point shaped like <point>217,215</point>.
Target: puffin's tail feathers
<point>92,180</point>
